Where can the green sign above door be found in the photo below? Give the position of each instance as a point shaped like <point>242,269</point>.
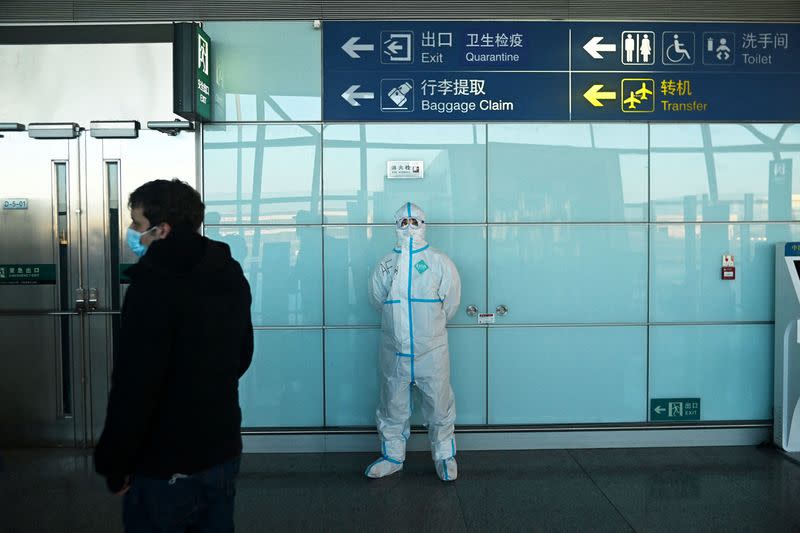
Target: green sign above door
<point>671,409</point>
<point>191,79</point>
<point>28,274</point>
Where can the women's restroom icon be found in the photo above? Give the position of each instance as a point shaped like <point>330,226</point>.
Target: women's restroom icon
<point>719,48</point>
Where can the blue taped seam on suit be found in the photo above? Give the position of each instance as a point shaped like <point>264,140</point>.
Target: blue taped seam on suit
<point>453,443</point>
<point>423,300</point>
<point>419,249</point>
<point>390,460</point>
<point>444,467</point>
<point>410,314</point>
<point>396,250</point>
<point>401,354</point>
<point>391,302</point>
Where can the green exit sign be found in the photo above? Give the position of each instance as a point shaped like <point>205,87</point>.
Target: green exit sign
<point>670,409</point>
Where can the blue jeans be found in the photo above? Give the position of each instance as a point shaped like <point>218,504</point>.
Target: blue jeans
<point>200,502</point>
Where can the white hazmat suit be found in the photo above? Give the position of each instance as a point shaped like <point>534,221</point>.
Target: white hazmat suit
<point>417,290</point>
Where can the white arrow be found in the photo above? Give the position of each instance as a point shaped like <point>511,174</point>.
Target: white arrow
<point>350,95</point>
<point>659,409</point>
<point>394,47</point>
<point>594,47</point>
<point>350,47</point>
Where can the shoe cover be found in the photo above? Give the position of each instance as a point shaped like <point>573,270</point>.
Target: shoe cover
<point>447,469</point>
<point>383,467</point>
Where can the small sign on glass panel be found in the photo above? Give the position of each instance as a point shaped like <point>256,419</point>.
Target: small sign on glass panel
<point>405,170</point>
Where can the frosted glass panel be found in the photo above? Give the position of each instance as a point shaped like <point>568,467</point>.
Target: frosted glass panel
<point>353,386</point>
<point>351,375</point>
<point>351,254</point>
<point>730,368</point>
<point>567,173</point>
<point>283,386</point>
<point>686,271</point>
<point>454,163</point>
<point>255,70</point>
<point>265,174</point>
<point>724,172</point>
<point>567,375</point>
<point>284,269</point>
<point>568,274</point>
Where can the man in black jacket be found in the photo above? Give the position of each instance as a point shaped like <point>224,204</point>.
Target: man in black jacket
<point>172,439</point>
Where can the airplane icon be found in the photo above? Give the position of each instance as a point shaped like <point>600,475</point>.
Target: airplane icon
<point>632,101</point>
<point>643,92</point>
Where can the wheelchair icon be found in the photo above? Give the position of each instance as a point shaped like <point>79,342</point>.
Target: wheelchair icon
<point>678,48</point>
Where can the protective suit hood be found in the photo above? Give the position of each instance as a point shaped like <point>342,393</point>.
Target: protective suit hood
<point>409,234</point>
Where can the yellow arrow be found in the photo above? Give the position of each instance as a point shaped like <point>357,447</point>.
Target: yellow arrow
<point>594,95</point>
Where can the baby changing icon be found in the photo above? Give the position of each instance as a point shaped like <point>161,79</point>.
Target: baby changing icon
<point>397,95</point>
<point>719,48</point>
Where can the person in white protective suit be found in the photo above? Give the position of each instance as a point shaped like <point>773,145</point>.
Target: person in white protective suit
<point>417,290</point>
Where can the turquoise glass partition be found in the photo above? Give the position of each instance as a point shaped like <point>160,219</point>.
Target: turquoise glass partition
<point>555,375</point>
<point>603,240</point>
<point>283,386</point>
<point>352,381</point>
<point>547,274</point>
<point>255,71</point>
<point>567,172</point>
<point>284,268</point>
<point>686,282</point>
<point>357,189</point>
<point>724,172</point>
<point>729,367</point>
<point>353,252</point>
<point>262,174</point>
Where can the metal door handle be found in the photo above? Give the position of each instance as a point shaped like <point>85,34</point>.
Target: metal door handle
<point>501,310</point>
<point>91,303</point>
<point>472,310</point>
<point>80,300</point>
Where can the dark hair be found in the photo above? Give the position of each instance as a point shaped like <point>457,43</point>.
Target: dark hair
<point>172,201</point>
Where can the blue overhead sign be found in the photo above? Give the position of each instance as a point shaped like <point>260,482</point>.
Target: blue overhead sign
<point>560,71</point>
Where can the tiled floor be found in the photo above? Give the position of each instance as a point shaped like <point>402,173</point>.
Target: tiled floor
<point>653,489</point>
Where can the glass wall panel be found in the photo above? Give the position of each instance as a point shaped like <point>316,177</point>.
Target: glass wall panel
<point>283,386</point>
<point>686,282</point>
<point>567,375</point>
<point>356,186</point>
<point>567,172</point>
<point>568,274</point>
<point>351,254</point>
<point>352,380</point>
<point>351,376</point>
<point>255,70</point>
<point>724,172</point>
<point>262,174</point>
<point>284,269</point>
<point>730,368</point>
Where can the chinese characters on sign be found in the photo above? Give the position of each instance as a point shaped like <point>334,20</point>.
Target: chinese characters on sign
<point>560,71</point>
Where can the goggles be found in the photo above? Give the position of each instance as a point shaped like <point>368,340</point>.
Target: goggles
<point>405,222</point>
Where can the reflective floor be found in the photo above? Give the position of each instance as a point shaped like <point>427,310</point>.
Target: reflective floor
<point>654,489</point>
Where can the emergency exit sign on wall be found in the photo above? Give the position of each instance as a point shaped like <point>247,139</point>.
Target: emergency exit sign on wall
<point>674,409</point>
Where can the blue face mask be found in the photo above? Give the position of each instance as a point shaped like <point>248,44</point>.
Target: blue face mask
<point>134,240</point>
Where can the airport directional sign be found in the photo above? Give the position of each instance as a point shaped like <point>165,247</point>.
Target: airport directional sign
<point>560,71</point>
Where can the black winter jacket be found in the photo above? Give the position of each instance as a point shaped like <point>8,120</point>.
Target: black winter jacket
<point>186,338</point>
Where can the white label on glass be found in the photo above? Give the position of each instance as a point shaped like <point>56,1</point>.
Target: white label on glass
<point>405,170</point>
<point>486,318</point>
<point>15,203</point>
